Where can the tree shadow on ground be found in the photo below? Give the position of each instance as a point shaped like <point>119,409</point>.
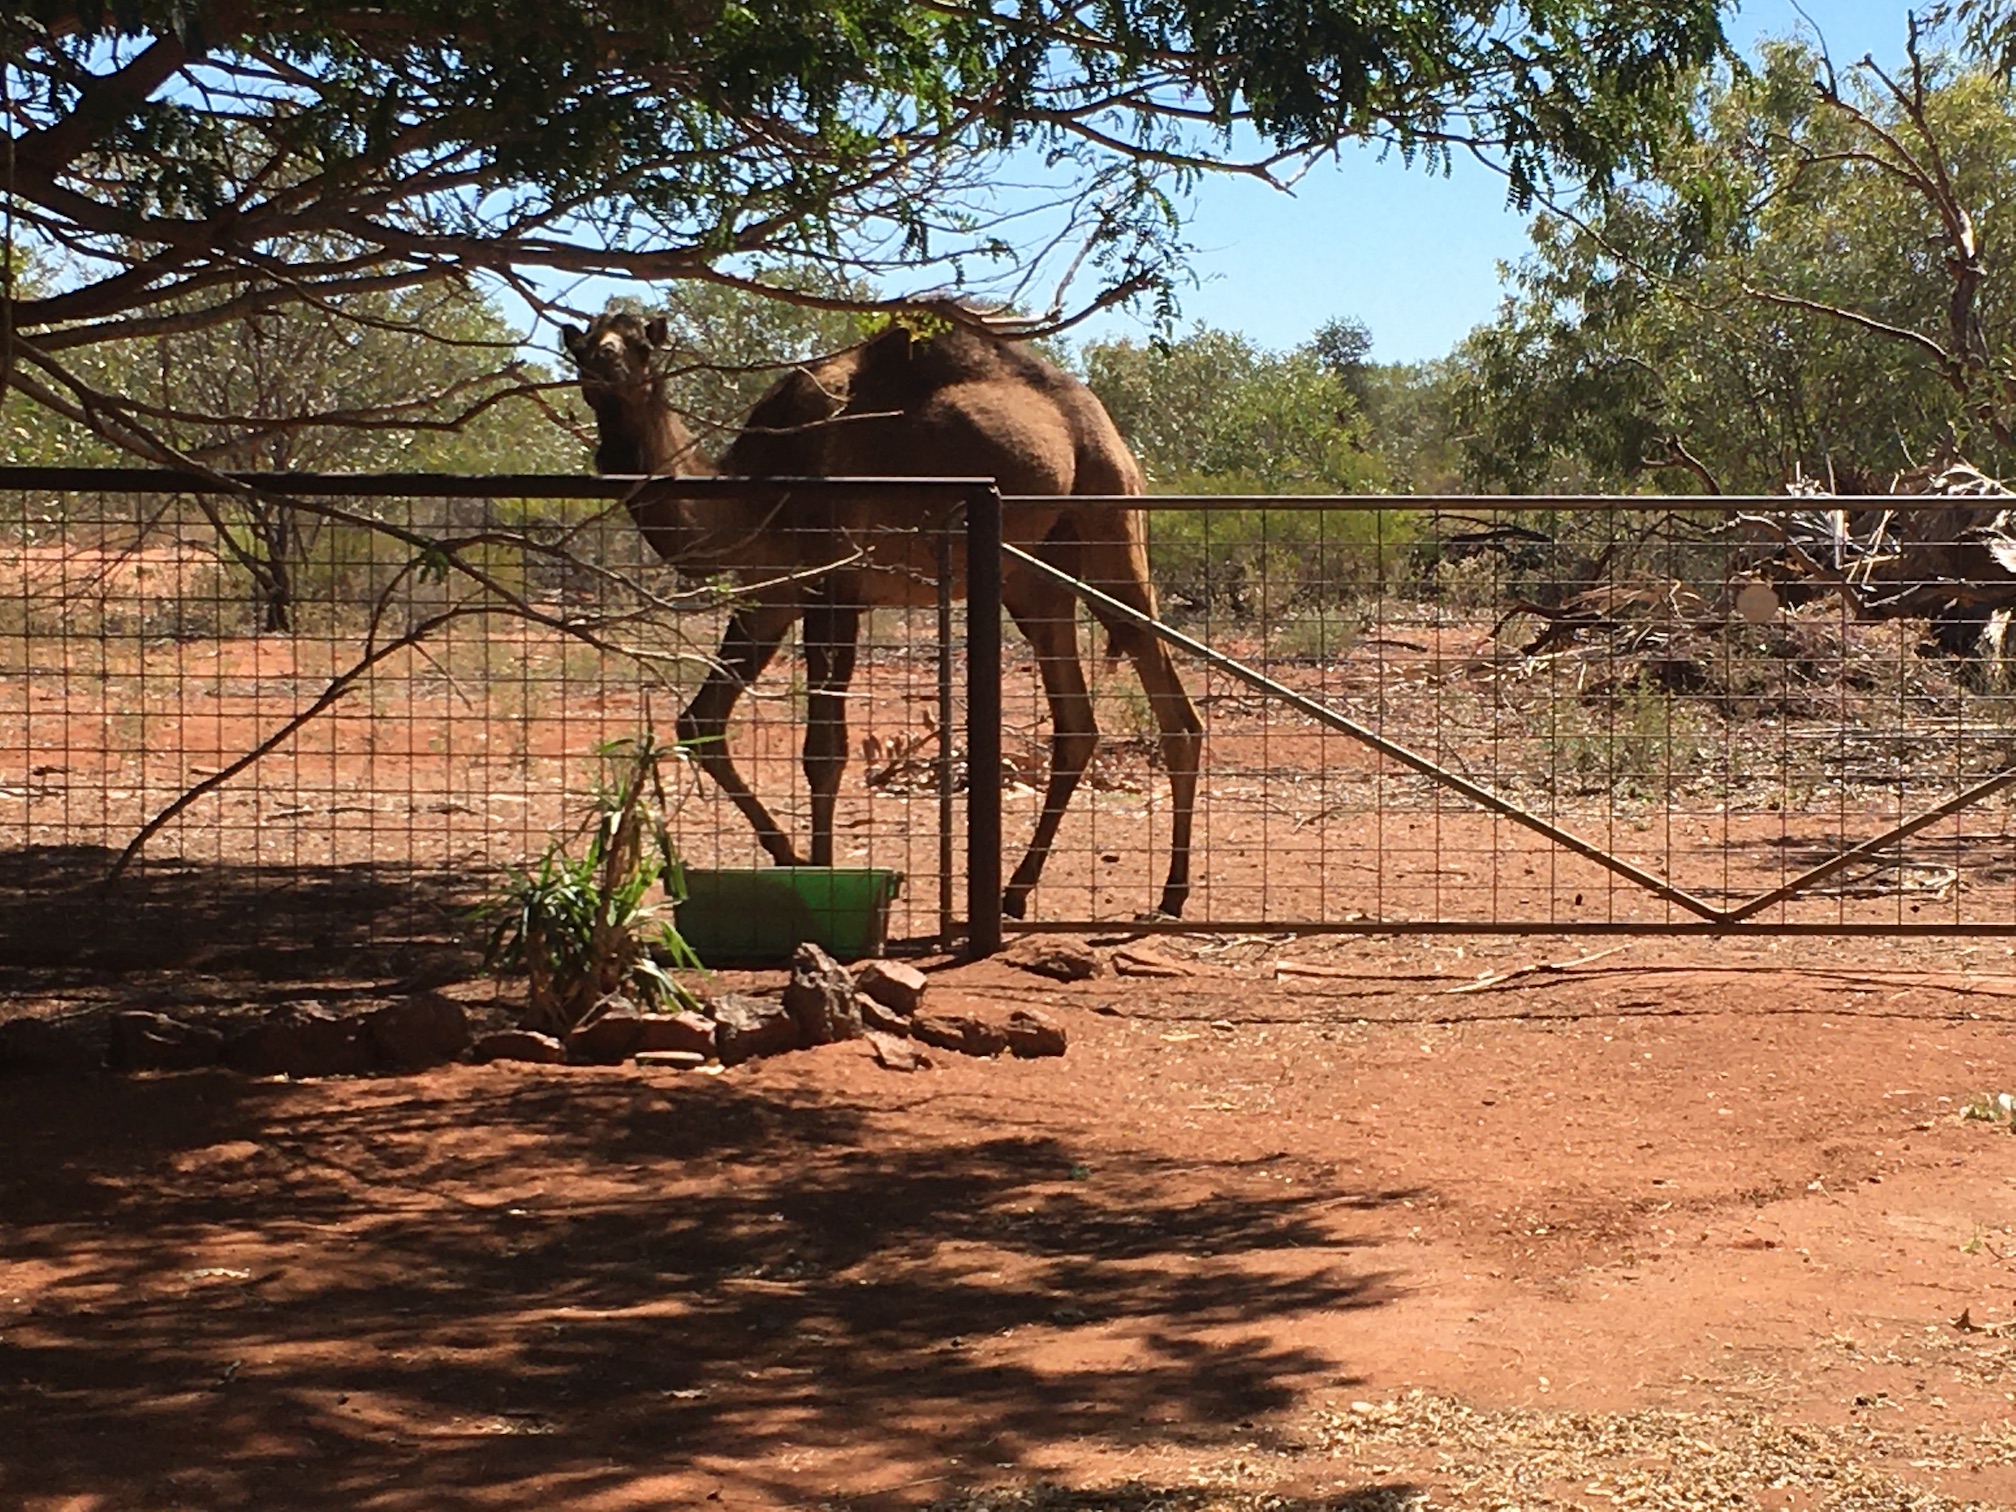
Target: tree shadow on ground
<point>173,928</point>
<point>230,1294</point>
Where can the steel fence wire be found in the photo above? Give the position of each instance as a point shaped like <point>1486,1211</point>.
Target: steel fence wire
<point>324,721</point>
<point>1574,715</point>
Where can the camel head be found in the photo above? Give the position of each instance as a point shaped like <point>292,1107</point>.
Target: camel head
<point>636,430</point>
<point>613,356</point>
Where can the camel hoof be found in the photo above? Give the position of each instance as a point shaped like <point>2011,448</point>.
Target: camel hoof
<point>1014,904</point>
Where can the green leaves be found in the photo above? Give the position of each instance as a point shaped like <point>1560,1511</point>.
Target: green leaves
<point>585,927</point>
<point>1212,413</point>
<point>1213,409</point>
<point>1782,297</point>
<point>643,139</point>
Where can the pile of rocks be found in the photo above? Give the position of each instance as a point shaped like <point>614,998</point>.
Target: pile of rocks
<point>881,1002</point>
<point>293,1039</point>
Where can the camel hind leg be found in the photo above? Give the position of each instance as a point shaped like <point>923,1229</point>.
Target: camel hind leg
<point>1047,615</point>
<point>831,634</point>
<point>1182,740</point>
<point>1111,557</point>
<point>754,633</point>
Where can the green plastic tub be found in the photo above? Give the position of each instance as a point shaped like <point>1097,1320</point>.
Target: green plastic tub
<point>758,917</point>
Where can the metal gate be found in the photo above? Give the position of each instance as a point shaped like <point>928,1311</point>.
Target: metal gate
<point>1571,715</point>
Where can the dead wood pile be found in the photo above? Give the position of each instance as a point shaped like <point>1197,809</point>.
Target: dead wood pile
<point>1835,596</point>
<point>1951,563</point>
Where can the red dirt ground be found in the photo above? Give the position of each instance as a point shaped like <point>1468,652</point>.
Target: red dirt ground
<point>1618,1225</point>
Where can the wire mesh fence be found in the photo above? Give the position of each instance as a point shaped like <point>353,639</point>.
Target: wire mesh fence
<point>326,723</point>
<point>329,721</point>
<point>1569,715</point>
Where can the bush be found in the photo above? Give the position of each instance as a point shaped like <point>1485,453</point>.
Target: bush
<point>585,929</point>
<point>1258,565</point>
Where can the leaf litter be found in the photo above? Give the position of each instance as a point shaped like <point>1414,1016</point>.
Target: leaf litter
<point>1435,1452</point>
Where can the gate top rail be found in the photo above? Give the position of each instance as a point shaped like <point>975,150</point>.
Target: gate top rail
<point>617,486</point>
<point>1500,503</point>
<point>432,485</point>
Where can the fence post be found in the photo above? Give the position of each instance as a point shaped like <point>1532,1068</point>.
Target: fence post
<point>947,714</point>
<point>983,722</point>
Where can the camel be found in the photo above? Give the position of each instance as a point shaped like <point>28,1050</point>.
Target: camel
<point>961,403</point>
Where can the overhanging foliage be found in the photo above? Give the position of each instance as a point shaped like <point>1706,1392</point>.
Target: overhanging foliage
<point>173,166</point>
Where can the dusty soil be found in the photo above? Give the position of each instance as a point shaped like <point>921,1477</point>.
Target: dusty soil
<point>1674,1226</point>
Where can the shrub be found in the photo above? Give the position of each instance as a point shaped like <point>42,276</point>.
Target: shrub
<point>587,928</point>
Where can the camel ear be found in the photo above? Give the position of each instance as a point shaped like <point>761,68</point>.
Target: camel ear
<point>574,339</point>
<point>655,332</point>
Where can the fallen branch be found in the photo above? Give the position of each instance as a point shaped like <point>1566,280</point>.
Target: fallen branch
<point>1538,968</point>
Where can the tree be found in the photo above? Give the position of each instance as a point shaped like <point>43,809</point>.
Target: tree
<point>1213,413</point>
<point>190,163</point>
<point>1802,290</point>
<point>1344,348</point>
<point>419,379</point>
<point>412,378</point>
<point>1410,424</point>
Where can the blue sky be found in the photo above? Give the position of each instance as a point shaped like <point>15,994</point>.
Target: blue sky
<point>1413,255</point>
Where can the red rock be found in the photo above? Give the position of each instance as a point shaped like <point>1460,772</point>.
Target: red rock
<point>1032,1035</point>
<point>670,1060</point>
<point>893,984</point>
<point>894,1053</point>
<point>684,1032</point>
<point>885,1020</point>
<point>961,1032</point>
<point>609,1040</point>
<point>302,1040</point>
<point>518,1045</point>
<point>155,1042</point>
<point>746,1027</point>
<point>1145,961</point>
<point>1064,960</point>
<point>421,1031</point>
<point>821,998</point>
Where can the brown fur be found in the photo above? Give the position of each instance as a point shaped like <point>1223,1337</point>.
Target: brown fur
<point>960,404</point>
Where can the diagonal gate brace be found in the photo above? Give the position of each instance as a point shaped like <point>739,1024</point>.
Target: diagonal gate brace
<point>1485,798</point>
<point>1344,724</point>
<point>1985,788</point>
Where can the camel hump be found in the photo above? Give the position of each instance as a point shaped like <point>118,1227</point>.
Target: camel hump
<point>786,432</point>
<point>799,398</point>
<point>900,370</point>
<point>957,403</point>
<point>981,404</point>
<point>956,354</point>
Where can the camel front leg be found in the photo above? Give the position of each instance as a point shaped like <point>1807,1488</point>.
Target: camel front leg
<point>1047,616</point>
<point>754,633</point>
<point>831,634</point>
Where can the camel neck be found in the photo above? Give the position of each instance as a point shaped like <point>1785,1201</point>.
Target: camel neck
<point>640,434</point>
